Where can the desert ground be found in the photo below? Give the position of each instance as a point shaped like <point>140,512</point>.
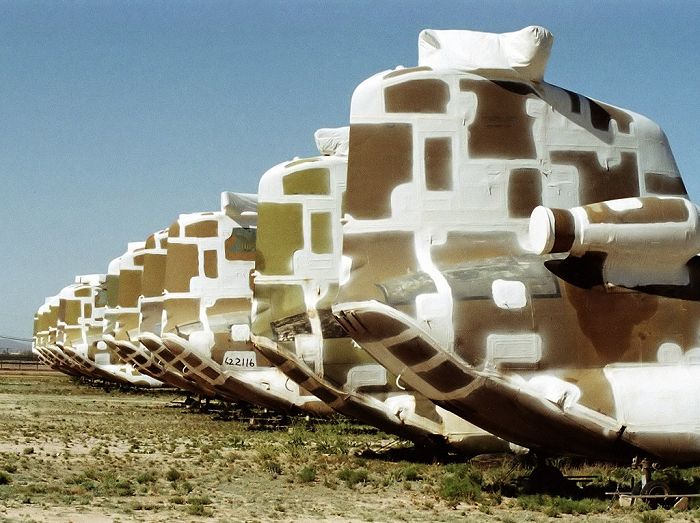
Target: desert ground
<point>71,452</point>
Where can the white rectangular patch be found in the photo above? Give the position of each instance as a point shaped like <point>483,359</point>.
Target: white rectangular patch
<point>246,359</point>
<point>522,351</point>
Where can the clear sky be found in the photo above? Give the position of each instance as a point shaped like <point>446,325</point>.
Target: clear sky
<point>117,116</point>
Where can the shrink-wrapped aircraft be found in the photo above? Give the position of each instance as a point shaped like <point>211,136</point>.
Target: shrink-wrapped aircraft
<point>522,255</point>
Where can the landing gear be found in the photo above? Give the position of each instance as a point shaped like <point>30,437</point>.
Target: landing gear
<point>654,493</point>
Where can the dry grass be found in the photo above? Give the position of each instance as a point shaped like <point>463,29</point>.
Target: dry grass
<point>70,452</point>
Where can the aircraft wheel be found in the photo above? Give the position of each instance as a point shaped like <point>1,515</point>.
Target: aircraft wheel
<point>656,488</point>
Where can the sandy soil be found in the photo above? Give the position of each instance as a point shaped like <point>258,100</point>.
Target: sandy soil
<point>70,452</point>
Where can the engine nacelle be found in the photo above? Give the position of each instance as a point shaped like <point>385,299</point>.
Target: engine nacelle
<point>645,241</point>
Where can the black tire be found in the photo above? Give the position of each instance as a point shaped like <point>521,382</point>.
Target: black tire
<point>656,488</point>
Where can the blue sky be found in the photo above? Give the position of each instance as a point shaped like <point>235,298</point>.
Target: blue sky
<point>117,116</point>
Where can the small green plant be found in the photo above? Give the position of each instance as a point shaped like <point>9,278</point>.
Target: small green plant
<point>408,472</point>
<point>28,450</point>
<point>652,516</point>
<point>172,474</point>
<point>196,506</point>
<point>10,467</point>
<point>461,483</point>
<point>307,474</point>
<point>146,477</point>
<point>352,477</point>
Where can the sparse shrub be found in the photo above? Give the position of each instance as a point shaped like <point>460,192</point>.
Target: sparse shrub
<point>5,478</point>
<point>10,467</point>
<point>554,506</point>
<point>408,472</point>
<point>28,450</point>
<point>124,488</point>
<point>196,506</point>
<point>273,467</point>
<point>185,487</point>
<point>172,474</point>
<point>146,477</point>
<point>652,516</point>
<point>461,483</point>
<point>177,500</point>
<point>352,477</point>
<point>307,474</point>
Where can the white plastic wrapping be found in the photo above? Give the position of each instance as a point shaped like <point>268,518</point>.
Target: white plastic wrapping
<point>521,53</point>
<point>333,142</point>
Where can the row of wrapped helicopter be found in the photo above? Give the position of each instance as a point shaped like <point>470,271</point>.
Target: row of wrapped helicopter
<point>481,261</point>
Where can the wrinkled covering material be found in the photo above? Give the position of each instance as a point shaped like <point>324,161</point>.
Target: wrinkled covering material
<point>333,142</point>
<point>521,53</point>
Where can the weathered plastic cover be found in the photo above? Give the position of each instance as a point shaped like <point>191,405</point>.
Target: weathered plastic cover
<point>523,52</point>
<point>333,142</point>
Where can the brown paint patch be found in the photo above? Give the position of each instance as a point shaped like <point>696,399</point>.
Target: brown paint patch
<point>129,288</point>
<point>502,128</point>
<point>438,164</point>
<point>211,269</point>
<point>601,114</point>
<point>87,310</point>
<point>446,377</point>
<point>597,184</point>
<point>280,235</point>
<point>653,210</point>
<point>524,192</point>
<point>381,158</point>
<point>240,245</point>
<point>380,326</point>
<point>138,260</point>
<point>417,96</point>
<point>112,287</point>
<point>181,267</point>
<point>202,229</point>
<point>180,312</point>
<point>229,305</point>
<point>83,292</point>
<point>565,229</point>
<point>151,242</point>
<point>153,274</point>
<point>376,257</point>
<point>407,70</point>
<point>608,319</point>
<point>174,230</point>
<point>308,181</point>
<point>664,184</point>
<point>412,352</point>
<point>472,246</point>
<point>321,233</point>
<point>296,375</point>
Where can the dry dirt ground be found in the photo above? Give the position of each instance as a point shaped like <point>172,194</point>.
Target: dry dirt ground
<point>72,452</point>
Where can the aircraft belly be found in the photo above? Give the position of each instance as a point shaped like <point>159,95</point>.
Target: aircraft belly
<point>142,360</point>
<point>542,412</point>
<point>264,387</point>
<point>396,413</point>
<point>658,405</point>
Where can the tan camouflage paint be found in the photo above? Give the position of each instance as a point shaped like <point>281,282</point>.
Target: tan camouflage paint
<point>292,321</point>
<point>540,350</point>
